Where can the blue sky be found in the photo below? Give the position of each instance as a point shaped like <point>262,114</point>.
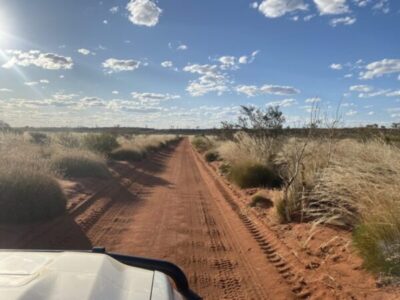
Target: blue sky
<point>188,63</point>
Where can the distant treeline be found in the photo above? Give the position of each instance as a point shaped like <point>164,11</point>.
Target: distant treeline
<point>338,132</point>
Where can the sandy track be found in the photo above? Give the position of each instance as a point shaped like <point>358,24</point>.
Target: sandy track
<point>173,213</point>
<point>170,207</point>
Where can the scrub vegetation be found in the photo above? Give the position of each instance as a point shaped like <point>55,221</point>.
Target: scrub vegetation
<point>351,183</point>
<point>32,163</point>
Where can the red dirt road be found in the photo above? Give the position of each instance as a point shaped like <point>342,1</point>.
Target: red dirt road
<point>173,206</point>
<point>167,207</point>
<point>177,215</point>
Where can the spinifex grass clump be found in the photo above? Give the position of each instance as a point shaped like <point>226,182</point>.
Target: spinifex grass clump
<point>247,175</point>
<point>28,189</point>
<point>128,154</point>
<point>202,143</point>
<point>211,155</point>
<point>136,147</point>
<point>80,163</point>
<point>250,160</point>
<point>102,143</point>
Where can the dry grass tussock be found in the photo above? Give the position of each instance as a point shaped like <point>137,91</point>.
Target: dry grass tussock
<point>355,185</point>
<point>250,160</point>
<point>346,183</point>
<point>78,162</point>
<point>28,190</point>
<point>136,147</point>
<point>246,148</point>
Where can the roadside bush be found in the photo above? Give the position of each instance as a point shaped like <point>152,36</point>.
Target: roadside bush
<point>202,143</point>
<point>38,138</point>
<point>259,200</point>
<point>28,190</point>
<point>102,143</point>
<point>248,148</point>
<point>127,154</point>
<point>211,156</point>
<point>80,163</point>
<point>67,140</point>
<point>28,195</point>
<point>247,175</point>
<point>146,143</point>
<point>379,244</point>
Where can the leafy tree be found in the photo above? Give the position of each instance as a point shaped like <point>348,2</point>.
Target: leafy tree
<point>259,119</point>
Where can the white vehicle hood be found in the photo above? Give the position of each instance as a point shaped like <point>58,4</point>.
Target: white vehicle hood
<point>76,275</point>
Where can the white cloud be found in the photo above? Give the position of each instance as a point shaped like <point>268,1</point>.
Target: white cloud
<point>244,59</point>
<point>351,113</point>
<point>115,92</point>
<point>182,47</point>
<point>48,61</point>
<point>380,68</point>
<point>254,5</point>
<point>278,8</point>
<point>308,18</point>
<point>84,51</point>
<point>167,64</point>
<point>152,98</point>
<point>394,94</point>
<point>248,90</point>
<point>371,113</point>
<point>283,103</point>
<point>105,22</point>
<point>332,7</point>
<point>373,94</point>
<point>382,5</point>
<point>5,90</point>
<point>342,21</point>
<point>210,82</point>
<point>278,90</point>
<point>228,62</point>
<point>114,9</point>
<point>143,12</point>
<point>200,69</point>
<point>361,88</point>
<point>118,65</point>
<point>31,83</point>
<point>348,75</point>
<point>313,100</point>
<point>45,81</point>
<point>252,90</point>
<point>336,66</point>
<point>61,96</point>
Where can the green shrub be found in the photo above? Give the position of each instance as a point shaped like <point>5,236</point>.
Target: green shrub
<point>253,175</point>
<point>68,140</point>
<point>103,143</point>
<point>27,195</point>
<point>211,155</point>
<point>127,154</point>
<point>379,245</point>
<point>38,138</point>
<point>201,143</point>
<point>78,164</point>
<point>259,200</point>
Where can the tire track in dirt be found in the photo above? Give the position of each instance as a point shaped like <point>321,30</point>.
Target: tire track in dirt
<point>287,265</point>
<point>179,218</point>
